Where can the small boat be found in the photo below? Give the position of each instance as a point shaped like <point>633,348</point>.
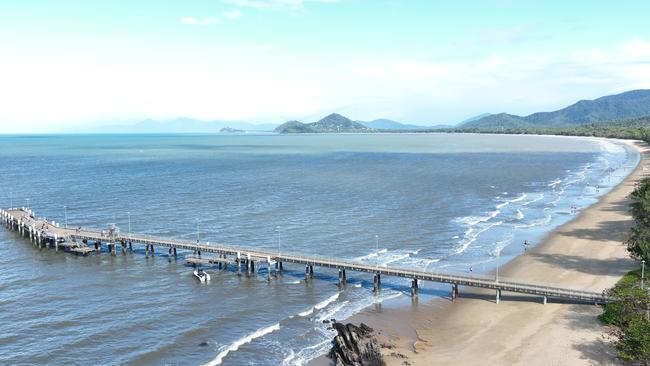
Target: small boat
<point>201,275</point>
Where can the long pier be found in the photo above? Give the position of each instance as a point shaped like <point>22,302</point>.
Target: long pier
<point>86,241</point>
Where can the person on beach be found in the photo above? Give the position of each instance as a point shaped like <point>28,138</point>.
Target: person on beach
<point>525,246</point>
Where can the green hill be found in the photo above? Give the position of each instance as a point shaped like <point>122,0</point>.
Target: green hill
<point>332,123</point>
<point>631,104</point>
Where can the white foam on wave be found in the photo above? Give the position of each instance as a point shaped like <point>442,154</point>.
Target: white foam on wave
<point>329,314</point>
<point>555,183</point>
<point>325,335</point>
<point>514,200</point>
<point>289,357</point>
<point>539,198</point>
<point>475,220</point>
<point>501,244</point>
<point>384,257</point>
<point>520,215</point>
<point>326,302</point>
<point>520,198</point>
<point>306,354</point>
<point>471,235</point>
<point>539,222</point>
<point>306,312</point>
<point>234,346</point>
<point>372,255</point>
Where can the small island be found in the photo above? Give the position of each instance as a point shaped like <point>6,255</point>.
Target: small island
<point>334,123</point>
<point>231,130</point>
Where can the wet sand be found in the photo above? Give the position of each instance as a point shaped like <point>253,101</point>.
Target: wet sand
<point>586,253</point>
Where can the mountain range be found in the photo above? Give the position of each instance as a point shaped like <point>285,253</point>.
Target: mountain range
<point>631,104</point>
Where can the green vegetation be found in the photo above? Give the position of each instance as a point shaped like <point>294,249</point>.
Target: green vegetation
<point>628,313</point>
<point>628,316</point>
<point>636,128</point>
<point>626,105</point>
<point>332,123</point>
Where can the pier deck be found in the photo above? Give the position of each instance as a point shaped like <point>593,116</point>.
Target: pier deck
<point>40,229</point>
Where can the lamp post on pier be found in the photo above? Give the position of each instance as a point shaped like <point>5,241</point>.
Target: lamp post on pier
<point>497,273</point>
<point>197,231</point>
<point>27,199</point>
<point>65,214</point>
<point>279,248</point>
<point>377,250</point>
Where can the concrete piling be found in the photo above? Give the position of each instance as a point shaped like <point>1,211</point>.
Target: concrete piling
<point>414,287</point>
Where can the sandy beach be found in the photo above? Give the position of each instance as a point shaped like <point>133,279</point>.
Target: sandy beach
<point>585,253</point>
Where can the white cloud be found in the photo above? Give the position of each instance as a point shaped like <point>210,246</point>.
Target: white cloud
<point>233,14</point>
<point>273,86</point>
<point>193,21</point>
<point>294,6</point>
<point>515,83</point>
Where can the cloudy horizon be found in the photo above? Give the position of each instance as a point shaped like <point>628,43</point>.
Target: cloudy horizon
<point>76,65</point>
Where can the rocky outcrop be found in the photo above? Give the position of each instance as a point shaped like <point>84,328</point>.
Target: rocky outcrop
<point>355,346</point>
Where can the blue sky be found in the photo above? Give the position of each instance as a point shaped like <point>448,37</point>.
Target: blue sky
<point>69,64</point>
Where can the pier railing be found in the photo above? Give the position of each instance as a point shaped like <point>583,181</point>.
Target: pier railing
<point>25,221</point>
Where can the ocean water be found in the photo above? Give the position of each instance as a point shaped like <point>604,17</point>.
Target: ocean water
<point>434,202</point>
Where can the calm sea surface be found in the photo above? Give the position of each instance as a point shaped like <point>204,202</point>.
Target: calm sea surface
<point>430,202</point>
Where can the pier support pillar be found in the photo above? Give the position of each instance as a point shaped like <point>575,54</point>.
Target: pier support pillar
<point>311,271</point>
<point>341,282</point>
<point>268,272</point>
<point>252,267</point>
<point>377,282</point>
<point>306,272</point>
<point>153,251</point>
<point>146,250</point>
<point>544,300</point>
<point>281,269</point>
<point>498,299</point>
<point>130,247</point>
<point>123,246</point>
<point>414,287</point>
<point>174,250</point>
<point>56,243</point>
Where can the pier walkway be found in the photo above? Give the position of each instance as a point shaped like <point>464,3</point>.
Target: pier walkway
<point>85,241</point>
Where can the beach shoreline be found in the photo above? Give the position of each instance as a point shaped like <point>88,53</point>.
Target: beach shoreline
<point>585,252</point>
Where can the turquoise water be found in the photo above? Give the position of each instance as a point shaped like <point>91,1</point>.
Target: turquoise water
<point>431,202</point>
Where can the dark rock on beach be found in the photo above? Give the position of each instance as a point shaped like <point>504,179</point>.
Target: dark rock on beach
<point>355,346</point>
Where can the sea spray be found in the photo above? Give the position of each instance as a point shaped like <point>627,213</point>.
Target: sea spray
<point>234,346</point>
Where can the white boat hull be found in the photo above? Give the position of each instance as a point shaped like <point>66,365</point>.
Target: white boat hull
<point>202,276</point>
